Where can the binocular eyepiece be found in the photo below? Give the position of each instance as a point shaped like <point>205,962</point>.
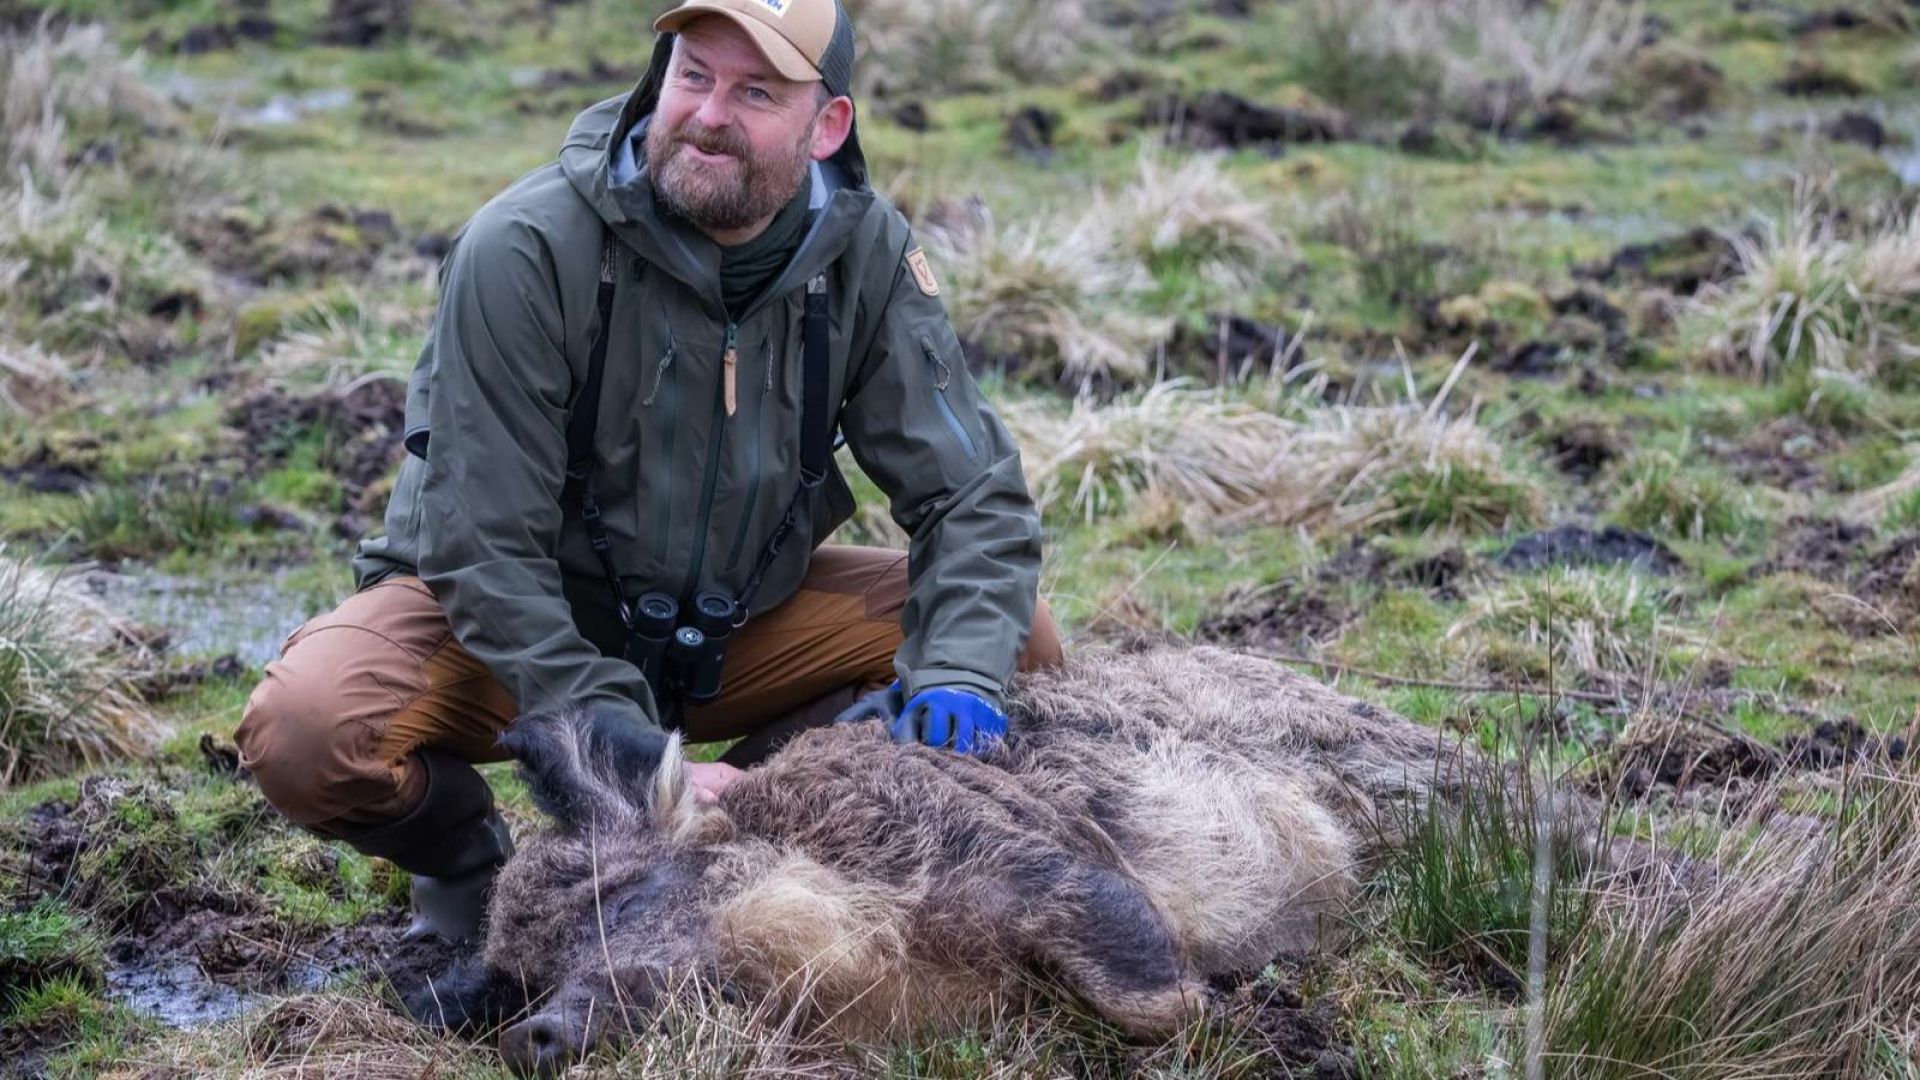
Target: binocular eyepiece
<point>682,658</point>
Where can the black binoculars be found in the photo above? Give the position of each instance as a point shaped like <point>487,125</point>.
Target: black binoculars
<point>681,660</point>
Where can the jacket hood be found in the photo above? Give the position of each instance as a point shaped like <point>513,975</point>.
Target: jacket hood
<point>587,154</point>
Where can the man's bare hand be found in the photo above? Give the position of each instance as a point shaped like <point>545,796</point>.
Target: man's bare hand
<point>710,778</point>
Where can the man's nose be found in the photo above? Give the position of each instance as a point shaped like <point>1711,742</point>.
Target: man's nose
<point>713,111</point>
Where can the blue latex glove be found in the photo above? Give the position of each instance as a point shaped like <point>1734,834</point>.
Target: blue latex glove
<point>936,717</point>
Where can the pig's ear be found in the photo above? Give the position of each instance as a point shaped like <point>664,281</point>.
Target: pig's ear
<point>587,765</point>
<point>675,810</point>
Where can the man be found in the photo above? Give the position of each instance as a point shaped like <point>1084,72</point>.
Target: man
<point>564,466</point>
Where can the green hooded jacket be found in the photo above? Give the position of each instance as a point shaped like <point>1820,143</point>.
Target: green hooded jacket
<point>690,495</point>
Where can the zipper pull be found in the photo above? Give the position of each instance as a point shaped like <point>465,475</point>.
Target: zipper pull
<point>942,374</point>
<point>766,348</point>
<point>730,364</point>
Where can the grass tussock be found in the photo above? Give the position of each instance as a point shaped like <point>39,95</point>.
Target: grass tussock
<point>33,381</point>
<point>1802,958</point>
<point>65,667</point>
<point>1050,300</point>
<point>1087,299</point>
<point>1226,463</point>
<point>66,86</point>
<point>1190,216</point>
<point>952,46</point>
<point>1459,889</point>
<point>1658,493</point>
<point>1567,622</point>
<point>1487,61</point>
<point>1810,297</point>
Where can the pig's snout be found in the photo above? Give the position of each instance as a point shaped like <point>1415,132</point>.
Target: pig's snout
<point>543,1045</point>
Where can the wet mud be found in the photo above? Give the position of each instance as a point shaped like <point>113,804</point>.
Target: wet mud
<point>185,946</point>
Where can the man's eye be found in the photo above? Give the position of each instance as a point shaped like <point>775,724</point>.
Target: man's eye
<point>758,94</point>
<point>693,76</point>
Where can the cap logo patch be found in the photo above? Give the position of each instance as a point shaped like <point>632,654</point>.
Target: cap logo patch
<point>923,272</point>
<point>778,7</point>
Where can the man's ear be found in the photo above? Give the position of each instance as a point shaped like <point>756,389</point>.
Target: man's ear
<point>831,127</point>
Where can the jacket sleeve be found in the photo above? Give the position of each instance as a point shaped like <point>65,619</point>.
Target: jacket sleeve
<point>918,426</point>
<point>495,467</point>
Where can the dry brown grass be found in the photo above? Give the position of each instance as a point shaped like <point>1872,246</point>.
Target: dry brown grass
<point>1569,624</point>
<point>66,83</point>
<point>1812,297</point>
<point>32,380</point>
<point>65,669</point>
<point>936,46</point>
<point>1190,212</point>
<point>1053,294</point>
<point>1486,58</point>
<point>1227,463</point>
<point>309,1038</point>
<point>1801,958</point>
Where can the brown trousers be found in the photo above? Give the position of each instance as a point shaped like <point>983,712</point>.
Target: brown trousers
<point>331,731</point>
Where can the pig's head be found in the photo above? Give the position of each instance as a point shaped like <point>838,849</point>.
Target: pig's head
<point>599,918</point>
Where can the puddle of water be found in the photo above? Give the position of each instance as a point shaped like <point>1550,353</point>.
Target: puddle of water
<point>247,615</point>
<point>1902,154</point>
<point>1905,163</point>
<point>175,993</point>
<point>287,109</point>
<point>224,96</point>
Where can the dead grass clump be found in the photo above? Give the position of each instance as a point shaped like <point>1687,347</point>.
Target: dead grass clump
<point>954,46</point>
<point>66,85</point>
<point>1568,621</point>
<point>1192,216</point>
<point>66,698</point>
<point>1802,958</point>
<point>1212,456</point>
<point>1407,466</point>
<point>313,1036</point>
<point>32,380</point>
<point>1051,299</point>
<point>1226,463</point>
<point>1809,297</point>
<point>1484,60</point>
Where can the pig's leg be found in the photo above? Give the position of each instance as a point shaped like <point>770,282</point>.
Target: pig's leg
<point>1099,936</point>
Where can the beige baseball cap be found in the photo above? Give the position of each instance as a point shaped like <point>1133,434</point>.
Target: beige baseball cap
<point>805,40</point>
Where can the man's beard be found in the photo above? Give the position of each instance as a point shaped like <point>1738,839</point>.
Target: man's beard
<point>706,195</point>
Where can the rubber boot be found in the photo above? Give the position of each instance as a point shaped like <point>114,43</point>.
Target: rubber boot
<point>453,844</point>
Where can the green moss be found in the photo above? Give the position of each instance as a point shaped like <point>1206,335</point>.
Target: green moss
<point>48,942</point>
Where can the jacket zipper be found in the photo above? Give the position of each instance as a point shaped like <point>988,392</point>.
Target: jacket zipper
<point>711,474</point>
<point>943,375</point>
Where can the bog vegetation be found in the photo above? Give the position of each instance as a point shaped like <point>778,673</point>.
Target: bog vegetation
<point>1544,371</point>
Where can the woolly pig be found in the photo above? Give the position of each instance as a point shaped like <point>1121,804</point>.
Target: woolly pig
<point>1157,818</point>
